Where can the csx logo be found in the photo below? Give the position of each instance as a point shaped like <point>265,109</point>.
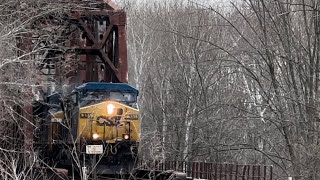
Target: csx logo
<point>86,115</point>
<point>105,121</point>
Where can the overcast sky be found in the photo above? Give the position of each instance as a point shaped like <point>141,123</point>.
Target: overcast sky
<point>204,2</point>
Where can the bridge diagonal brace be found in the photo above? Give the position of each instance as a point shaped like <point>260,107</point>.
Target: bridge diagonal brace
<point>89,33</point>
<point>99,45</point>
<point>105,36</point>
<point>106,60</point>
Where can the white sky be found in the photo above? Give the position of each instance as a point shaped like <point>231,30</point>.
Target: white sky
<point>204,2</point>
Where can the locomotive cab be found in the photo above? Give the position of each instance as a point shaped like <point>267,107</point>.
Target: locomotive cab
<point>108,112</point>
<point>103,115</point>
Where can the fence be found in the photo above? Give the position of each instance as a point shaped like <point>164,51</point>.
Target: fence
<point>212,171</point>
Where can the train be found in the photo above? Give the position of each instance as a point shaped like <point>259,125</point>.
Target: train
<point>96,120</point>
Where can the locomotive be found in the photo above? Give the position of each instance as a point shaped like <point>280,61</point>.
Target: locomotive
<point>97,120</point>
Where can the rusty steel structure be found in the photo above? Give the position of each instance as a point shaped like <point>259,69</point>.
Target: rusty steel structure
<point>211,171</point>
<point>102,46</point>
<point>90,45</point>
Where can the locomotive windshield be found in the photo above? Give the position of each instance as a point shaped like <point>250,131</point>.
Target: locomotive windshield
<point>92,97</point>
<point>122,97</point>
<point>93,93</point>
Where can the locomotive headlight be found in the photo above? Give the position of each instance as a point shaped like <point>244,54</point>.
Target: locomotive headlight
<point>126,136</point>
<point>110,108</point>
<point>95,136</point>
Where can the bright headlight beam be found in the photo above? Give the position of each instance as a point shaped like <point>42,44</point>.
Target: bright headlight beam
<point>110,108</point>
<point>95,136</point>
<point>126,136</point>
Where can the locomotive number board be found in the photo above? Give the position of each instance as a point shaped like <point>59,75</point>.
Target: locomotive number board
<point>94,149</point>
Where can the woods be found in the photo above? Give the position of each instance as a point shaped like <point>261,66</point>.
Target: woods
<point>237,84</point>
<point>22,42</point>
